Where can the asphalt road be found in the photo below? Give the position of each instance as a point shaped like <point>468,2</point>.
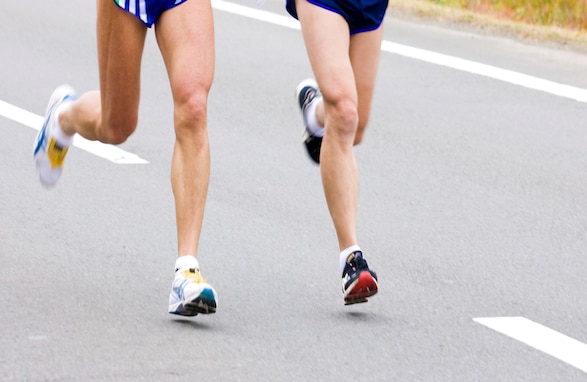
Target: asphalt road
<point>472,205</point>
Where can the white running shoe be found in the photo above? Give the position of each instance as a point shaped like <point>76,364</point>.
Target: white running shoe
<point>48,154</point>
<point>191,294</point>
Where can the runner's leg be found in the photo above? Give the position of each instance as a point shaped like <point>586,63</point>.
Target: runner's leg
<point>110,115</point>
<point>365,51</point>
<point>327,40</point>
<point>185,35</point>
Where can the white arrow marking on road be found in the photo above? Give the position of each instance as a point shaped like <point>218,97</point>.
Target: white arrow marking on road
<point>540,337</point>
<point>496,73</point>
<point>112,153</point>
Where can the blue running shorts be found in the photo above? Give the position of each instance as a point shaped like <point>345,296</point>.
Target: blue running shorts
<point>361,15</point>
<point>148,11</point>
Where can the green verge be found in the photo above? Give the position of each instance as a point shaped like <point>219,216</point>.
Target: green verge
<point>491,19</point>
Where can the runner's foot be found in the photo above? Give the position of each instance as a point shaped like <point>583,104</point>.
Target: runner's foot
<point>358,281</point>
<point>191,294</point>
<point>48,153</point>
<point>306,94</point>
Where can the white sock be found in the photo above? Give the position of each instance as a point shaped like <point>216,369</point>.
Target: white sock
<point>315,128</point>
<point>62,139</point>
<point>345,253</point>
<point>186,262</point>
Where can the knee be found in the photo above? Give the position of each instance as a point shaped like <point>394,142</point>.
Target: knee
<point>344,118</point>
<point>190,112</point>
<point>117,128</point>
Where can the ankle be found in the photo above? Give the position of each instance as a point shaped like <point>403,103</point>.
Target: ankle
<point>344,254</point>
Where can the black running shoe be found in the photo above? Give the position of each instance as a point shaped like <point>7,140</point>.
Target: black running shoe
<point>358,281</point>
<point>306,92</point>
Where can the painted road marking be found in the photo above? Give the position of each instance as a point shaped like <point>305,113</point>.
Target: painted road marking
<point>112,153</point>
<point>540,337</point>
<point>473,67</point>
<point>516,78</point>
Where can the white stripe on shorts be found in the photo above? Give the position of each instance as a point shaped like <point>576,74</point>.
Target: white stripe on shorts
<point>143,10</point>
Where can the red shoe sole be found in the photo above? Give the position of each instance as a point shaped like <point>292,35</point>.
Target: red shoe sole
<point>365,286</point>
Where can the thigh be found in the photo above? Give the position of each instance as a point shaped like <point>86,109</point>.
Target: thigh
<point>327,38</point>
<point>121,39</point>
<point>185,35</point>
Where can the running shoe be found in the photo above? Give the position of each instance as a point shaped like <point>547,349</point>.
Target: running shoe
<point>47,153</point>
<point>358,281</point>
<point>306,92</point>
<point>191,294</point>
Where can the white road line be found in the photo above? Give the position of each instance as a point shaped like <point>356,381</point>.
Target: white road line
<point>496,73</point>
<point>112,153</point>
<point>257,14</point>
<point>540,337</point>
<point>504,75</point>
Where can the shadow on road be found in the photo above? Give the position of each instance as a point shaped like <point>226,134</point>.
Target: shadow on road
<point>186,322</point>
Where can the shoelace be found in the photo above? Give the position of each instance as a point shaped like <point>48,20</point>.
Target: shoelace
<point>193,275</point>
<point>356,264</point>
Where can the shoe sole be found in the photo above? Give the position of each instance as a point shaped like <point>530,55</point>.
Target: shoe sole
<point>313,146</point>
<point>205,303</point>
<point>364,287</point>
<point>312,143</point>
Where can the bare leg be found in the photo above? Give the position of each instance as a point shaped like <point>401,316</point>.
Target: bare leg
<point>328,43</point>
<point>185,35</point>
<point>364,54</point>
<point>110,115</point>
<point>365,51</point>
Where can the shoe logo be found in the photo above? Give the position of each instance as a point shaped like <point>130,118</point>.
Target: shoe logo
<point>351,258</point>
<point>308,98</point>
<point>41,141</point>
<point>56,154</point>
<point>69,97</point>
<point>178,290</point>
